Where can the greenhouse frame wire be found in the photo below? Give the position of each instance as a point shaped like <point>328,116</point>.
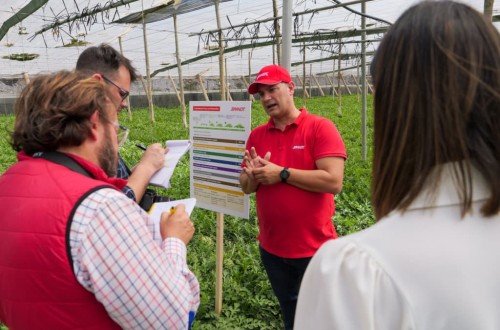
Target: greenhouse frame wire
<point>248,39</point>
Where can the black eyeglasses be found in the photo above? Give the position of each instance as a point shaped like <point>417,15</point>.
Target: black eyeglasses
<point>123,93</point>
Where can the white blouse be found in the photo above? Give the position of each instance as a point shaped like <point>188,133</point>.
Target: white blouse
<point>426,269</point>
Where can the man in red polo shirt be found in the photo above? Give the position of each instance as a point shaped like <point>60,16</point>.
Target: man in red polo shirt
<point>295,164</point>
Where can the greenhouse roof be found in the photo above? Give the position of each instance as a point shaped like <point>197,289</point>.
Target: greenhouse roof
<point>167,10</point>
<point>54,32</point>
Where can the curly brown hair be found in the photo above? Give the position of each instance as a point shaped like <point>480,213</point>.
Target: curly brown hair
<point>53,111</point>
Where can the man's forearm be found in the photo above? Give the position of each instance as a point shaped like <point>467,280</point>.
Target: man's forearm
<point>139,180</point>
<point>327,178</point>
<point>315,180</point>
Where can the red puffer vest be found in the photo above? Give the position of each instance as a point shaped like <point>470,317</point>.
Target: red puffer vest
<point>38,289</point>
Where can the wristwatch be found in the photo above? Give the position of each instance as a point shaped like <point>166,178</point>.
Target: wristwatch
<point>284,174</point>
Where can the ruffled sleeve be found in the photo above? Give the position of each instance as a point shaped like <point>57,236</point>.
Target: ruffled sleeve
<point>345,287</point>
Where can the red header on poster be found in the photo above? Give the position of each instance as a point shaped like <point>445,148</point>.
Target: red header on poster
<point>206,108</point>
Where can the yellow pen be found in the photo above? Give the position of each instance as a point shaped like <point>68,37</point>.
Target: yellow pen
<point>172,210</point>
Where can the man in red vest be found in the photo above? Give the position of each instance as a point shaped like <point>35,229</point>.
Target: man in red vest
<point>75,252</point>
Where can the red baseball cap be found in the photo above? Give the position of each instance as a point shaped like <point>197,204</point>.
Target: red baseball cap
<point>269,75</point>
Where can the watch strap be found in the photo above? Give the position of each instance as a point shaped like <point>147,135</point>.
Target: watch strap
<point>284,175</point>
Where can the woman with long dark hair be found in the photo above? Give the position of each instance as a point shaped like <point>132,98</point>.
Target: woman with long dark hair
<point>433,259</point>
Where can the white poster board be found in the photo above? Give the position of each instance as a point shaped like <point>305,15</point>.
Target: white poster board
<point>218,132</point>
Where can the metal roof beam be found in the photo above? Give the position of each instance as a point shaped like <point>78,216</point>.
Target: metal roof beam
<point>18,17</point>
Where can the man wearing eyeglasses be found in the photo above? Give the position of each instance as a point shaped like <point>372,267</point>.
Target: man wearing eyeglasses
<point>294,164</point>
<point>106,63</point>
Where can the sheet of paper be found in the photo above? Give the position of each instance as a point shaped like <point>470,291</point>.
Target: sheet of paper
<point>158,208</point>
<point>177,148</point>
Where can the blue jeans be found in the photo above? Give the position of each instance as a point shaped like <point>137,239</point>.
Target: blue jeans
<point>285,275</point>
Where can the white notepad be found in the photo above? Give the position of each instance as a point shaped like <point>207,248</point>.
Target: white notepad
<point>158,208</point>
<point>176,149</point>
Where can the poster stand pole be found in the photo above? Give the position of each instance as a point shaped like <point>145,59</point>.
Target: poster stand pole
<point>219,262</point>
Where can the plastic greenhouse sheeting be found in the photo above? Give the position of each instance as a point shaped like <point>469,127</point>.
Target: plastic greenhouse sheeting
<point>59,48</point>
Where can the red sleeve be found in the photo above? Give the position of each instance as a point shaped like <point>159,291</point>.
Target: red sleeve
<point>329,143</point>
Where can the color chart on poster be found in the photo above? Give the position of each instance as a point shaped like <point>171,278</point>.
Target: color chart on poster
<point>218,131</point>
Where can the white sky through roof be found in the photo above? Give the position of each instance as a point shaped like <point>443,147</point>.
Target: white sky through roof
<point>160,35</point>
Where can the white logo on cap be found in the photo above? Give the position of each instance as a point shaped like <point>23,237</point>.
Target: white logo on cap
<point>263,74</point>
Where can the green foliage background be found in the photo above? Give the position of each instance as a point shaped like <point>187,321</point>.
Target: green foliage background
<point>248,301</point>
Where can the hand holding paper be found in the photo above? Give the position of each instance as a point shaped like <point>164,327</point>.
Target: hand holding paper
<point>162,212</point>
<point>177,224</point>
<point>176,149</point>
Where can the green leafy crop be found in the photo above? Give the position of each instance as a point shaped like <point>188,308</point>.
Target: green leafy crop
<point>248,300</point>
